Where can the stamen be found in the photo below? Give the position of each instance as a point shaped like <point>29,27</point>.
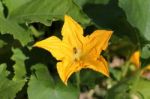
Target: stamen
<point>76,54</point>
<point>75,50</point>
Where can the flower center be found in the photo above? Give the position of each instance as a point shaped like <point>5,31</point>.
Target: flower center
<point>77,54</point>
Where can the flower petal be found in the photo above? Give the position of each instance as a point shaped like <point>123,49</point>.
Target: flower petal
<point>99,65</point>
<point>135,59</point>
<point>148,67</point>
<point>97,41</point>
<point>72,32</point>
<point>55,46</point>
<point>66,69</point>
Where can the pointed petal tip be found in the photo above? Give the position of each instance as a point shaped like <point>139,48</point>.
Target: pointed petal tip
<point>36,44</point>
<point>110,32</point>
<point>107,75</point>
<point>66,17</point>
<point>106,33</point>
<point>64,81</point>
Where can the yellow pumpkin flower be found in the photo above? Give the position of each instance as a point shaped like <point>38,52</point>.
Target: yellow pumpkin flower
<point>148,67</point>
<point>146,72</point>
<point>75,51</point>
<point>135,59</point>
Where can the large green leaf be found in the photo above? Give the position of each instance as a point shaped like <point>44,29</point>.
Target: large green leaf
<point>2,43</point>
<point>46,11</point>
<point>14,4</point>
<point>129,88</point>
<point>42,86</point>
<point>19,33</point>
<point>119,91</point>
<point>90,78</point>
<point>138,14</point>
<point>84,2</point>
<point>9,88</point>
<point>1,9</point>
<point>146,51</point>
<point>106,14</point>
<point>143,88</point>
<point>19,66</point>
<point>3,70</point>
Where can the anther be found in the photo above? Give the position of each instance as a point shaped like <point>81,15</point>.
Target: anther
<point>74,50</point>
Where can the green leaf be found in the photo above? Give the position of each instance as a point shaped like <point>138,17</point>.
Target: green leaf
<point>1,10</point>
<point>90,78</point>
<point>143,87</point>
<point>42,86</point>
<point>19,66</point>
<point>46,11</point>
<point>84,2</point>
<point>146,51</point>
<point>9,88</point>
<point>119,91</point>
<point>2,43</point>
<point>3,70</point>
<point>14,4</point>
<point>107,15</point>
<point>19,33</point>
<point>117,74</point>
<point>138,14</point>
<point>127,88</point>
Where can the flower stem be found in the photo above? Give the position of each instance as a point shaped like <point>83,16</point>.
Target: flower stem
<point>78,80</point>
<point>125,69</point>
